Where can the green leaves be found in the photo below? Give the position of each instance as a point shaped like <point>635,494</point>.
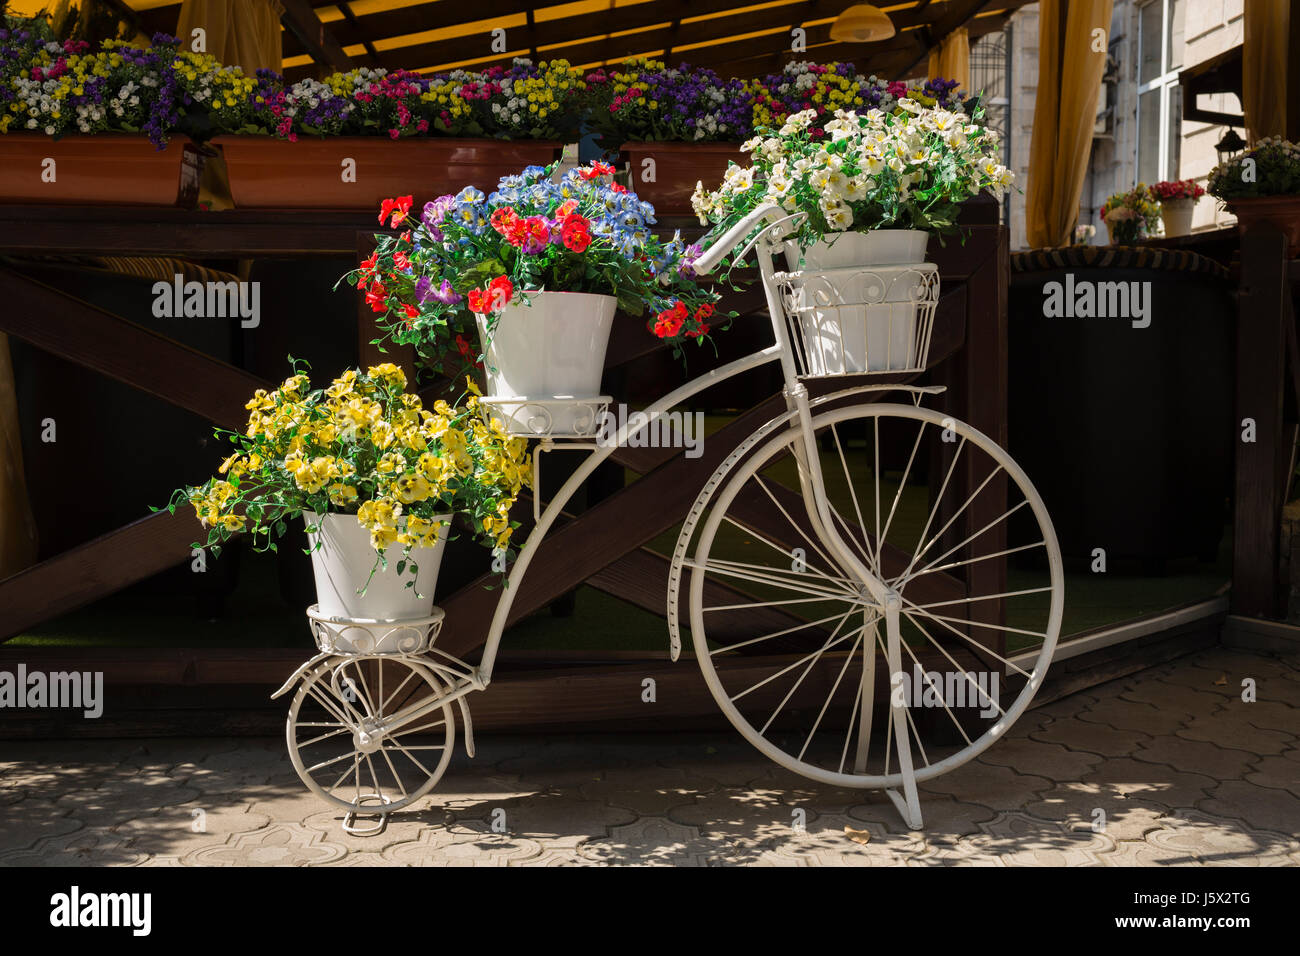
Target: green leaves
<point>480,273</point>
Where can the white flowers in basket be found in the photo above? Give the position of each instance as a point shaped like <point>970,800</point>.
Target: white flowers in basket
<point>906,169</point>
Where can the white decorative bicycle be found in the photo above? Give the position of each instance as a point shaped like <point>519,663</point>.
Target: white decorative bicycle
<point>853,622</point>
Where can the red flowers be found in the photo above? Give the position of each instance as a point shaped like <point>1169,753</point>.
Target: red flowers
<point>467,351</point>
<point>504,220</point>
<point>377,297</point>
<point>575,233</point>
<point>596,170</point>
<point>702,314</point>
<point>668,324</point>
<point>397,208</point>
<point>492,299</point>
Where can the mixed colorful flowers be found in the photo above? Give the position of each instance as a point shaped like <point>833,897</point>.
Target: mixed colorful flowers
<point>56,88</point>
<point>909,169</point>
<point>644,100</point>
<point>1169,190</point>
<point>1271,168</point>
<point>1131,215</point>
<point>472,254</point>
<point>364,446</point>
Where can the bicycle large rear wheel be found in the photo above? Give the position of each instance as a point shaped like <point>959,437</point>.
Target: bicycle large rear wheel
<point>792,645</point>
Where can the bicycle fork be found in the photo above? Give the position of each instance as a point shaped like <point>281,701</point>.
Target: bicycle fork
<point>812,484</point>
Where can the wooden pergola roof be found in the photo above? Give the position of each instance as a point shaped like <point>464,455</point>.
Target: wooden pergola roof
<point>735,37</point>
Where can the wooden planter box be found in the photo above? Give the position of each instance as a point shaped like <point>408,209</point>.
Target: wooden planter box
<point>268,173</point>
<point>676,170</point>
<point>109,168</point>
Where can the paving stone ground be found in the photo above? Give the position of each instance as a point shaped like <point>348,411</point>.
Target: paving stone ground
<point>1167,767</point>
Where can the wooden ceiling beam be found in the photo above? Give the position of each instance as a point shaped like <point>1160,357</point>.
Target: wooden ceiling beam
<point>351,18</point>
<point>598,46</point>
<point>570,30</point>
<point>759,61</point>
<point>300,19</point>
<point>374,27</point>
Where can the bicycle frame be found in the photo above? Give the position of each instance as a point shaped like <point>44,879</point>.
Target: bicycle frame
<point>811,481</point>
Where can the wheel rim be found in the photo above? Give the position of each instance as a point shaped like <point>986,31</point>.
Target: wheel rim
<point>794,703</point>
<point>344,696</point>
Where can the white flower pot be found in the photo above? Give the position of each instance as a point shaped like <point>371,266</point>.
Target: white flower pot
<point>342,567</point>
<point>550,347</point>
<point>859,302</point>
<point>1177,216</point>
<point>879,247</point>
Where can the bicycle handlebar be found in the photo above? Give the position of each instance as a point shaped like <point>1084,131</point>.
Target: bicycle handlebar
<point>709,260</point>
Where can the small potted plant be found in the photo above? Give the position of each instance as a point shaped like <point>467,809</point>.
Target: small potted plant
<point>1263,186</point>
<point>872,188</point>
<point>1130,216</point>
<point>535,271</point>
<point>376,476</point>
<point>1177,201</point>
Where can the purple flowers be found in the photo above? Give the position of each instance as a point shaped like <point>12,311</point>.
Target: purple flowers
<point>435,212</point>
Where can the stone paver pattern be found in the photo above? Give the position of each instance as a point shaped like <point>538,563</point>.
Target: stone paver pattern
<point>1169,767</point>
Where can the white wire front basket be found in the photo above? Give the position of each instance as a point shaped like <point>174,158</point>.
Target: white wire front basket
<point>860,320</point>
<point>348,636</point>
<point>550,416</point>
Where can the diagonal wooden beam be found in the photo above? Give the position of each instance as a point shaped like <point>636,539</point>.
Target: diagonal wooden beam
<point>351,18</point>
<point>300,19</point>
<point>96,339</point>
<point>95,569</point>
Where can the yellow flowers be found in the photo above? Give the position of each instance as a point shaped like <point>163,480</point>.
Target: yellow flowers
<point>363,445</point>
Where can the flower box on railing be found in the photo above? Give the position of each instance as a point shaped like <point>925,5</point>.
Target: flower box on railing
<point>114,168</point>
<point>358,172</point>
<point>664,174</point>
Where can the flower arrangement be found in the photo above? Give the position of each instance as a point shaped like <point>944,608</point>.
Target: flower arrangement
<point>58,88</point>
<point>522,102</point>
<point>838,86</point>
<point>363,446</point>
<point>643,100</point>
<point>1272,168</point>
<point>1171,190</point>
<point>526,101</point>
<point>362,102</point>
<point>63,87</point>
<point>905,170</point>
<point>1131,215</point>
<point>471,254</point>
<point>1084,233</point>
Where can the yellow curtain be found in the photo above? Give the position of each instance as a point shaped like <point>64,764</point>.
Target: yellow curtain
<point>1071,61</point>
<point>17,527</point>
<point>242,33</point>
<point>1264,67</point>
<point>950,60</point>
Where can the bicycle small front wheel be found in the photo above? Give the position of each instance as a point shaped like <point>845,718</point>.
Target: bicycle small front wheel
<point>791,642</point>
<point>333,743</point>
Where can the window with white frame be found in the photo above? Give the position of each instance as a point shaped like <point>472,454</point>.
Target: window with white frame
<point>1160,102</point>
